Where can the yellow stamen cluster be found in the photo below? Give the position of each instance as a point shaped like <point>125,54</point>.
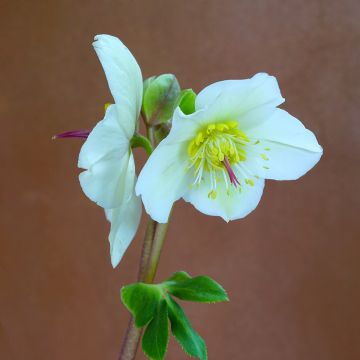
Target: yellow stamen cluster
<point>215,142</point>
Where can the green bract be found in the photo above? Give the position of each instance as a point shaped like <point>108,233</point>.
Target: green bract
<point>152,306</point>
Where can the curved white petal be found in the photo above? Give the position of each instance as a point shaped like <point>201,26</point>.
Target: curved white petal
<point>290,149</point>
<point>230,205</point>
<point>107,138</point>
<point>255,116</point>
<point>185,127</point>
<point>163,179</point>
<point>123,75</point>
<point>231,98</point>
<point>210,93</point>
<point>109,182</point>
<point>124,224</point>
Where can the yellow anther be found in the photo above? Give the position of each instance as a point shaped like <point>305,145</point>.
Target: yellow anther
<point>214,150</point>
<point>264,157</point>
<point>267,149</point>
<point>212,195</point>
<point>192,148</point>
<point>210,128</point>
<point>199,138</point>
<point>221,127</point>
<point>106,106</point>
<point>250,182</point>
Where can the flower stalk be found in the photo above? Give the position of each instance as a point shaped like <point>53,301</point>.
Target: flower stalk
<point>154,238</point>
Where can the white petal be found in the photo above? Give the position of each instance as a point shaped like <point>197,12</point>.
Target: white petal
<point>163,180</point>
<point>230,206</point>
<point>185,127</point>
<point>124,224</point>
<point>106,139</point>
<point>210,93</point>
<point>109,182</point>
<point>232,98</point>
<point>123,75</point>
<point>294,149</point>
<point>255,117</point>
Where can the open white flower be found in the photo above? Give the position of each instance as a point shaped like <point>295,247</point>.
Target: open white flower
<point>110,178</point>
<point>218,157</point>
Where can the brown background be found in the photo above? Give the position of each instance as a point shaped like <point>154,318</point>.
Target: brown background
<point>291,268</point>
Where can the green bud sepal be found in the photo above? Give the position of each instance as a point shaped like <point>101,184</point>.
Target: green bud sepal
<point>160,98</point>
<point>162,94</point>
<point>186,101</point>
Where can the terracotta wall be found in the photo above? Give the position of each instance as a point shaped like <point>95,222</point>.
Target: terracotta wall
<point>291,268</point>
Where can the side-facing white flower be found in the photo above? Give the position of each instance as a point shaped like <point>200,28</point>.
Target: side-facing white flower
<point>218,157</point>
<point>110,178</point>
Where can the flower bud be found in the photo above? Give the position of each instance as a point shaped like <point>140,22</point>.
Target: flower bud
<point>161,94</point>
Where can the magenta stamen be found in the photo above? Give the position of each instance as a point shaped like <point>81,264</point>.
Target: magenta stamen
<point>230,171</point>
<point>73,134</point>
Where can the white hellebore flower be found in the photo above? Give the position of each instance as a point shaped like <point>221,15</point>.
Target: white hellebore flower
<point>218,157</point>
<point>110,178</point>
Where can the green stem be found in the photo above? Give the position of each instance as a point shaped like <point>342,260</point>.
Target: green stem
<point>147,271</point>
<point>151,135</point>
<point>130,342</point>
<point>133,334</point>
<point>159,238</point>
<point>154,239</point>
<point>146,250</point>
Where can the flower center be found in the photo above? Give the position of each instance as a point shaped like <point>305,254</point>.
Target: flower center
<point>216,148</point>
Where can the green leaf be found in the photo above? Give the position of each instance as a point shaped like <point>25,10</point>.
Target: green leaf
<point>187,101</point>
<point>156,335</point>
<point>192,343</point>
<point>200,288</point>
<point>141,300</point>
<point>152,306</point>
<point>160,98</point>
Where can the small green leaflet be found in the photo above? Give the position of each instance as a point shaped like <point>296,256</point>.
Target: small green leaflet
<point>141,300</point>
<point>191,342</point>
<point>152,306</point>
<point>199,289</point>
<point>156,335</point>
